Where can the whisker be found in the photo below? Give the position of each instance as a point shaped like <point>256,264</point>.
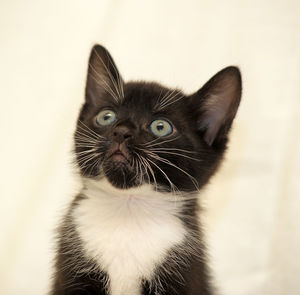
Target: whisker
<point>169,98</point>
<point>178,154</point>
<point>155,156</point>
<point>85,139</point>
<point>151,171</point>
<point>151,141</point>
<point>86,152</point>
<point>161,100</point>
<point>165,100</point>
<point>88,157</point>
<point>142,178</point>
<point>88,129</point>
<point>86,135</point>
<point>97,162</point>
<point>159,97</point>
<point>160,143</point>
<point>84,164</point>
<point>138,172</point>
<point>173,187</point>
<point>86,132</point>
<point>172,101</point>
<point>173,149</point>
<point>84,144</point>
<point>82,140</point>
<point>202,152</point>
<point>146,170</point>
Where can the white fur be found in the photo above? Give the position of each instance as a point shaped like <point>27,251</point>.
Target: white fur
<point>128,232</point>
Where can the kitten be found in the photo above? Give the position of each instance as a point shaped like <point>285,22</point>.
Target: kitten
<point>144,152</point>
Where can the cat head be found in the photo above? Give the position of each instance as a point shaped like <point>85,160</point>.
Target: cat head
<point>137,132</point>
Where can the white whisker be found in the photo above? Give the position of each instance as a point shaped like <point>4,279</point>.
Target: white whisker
<point>88,129</point>
<point>159,143</point>
<point>170,97</point>
<point>151,171</point>
<point>155,156</point>
<point>173,187</point>
<point>173,149</point>
<point>177,154</point>
<point>86,151</point>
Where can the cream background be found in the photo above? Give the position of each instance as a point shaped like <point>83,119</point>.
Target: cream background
<point>252,204</point>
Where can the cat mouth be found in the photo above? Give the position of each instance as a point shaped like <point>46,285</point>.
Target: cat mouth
<point>119,153</point>
<point>117,166</point>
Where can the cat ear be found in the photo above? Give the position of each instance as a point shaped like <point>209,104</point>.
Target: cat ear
<point>216,104</point>
<point>103,77</point>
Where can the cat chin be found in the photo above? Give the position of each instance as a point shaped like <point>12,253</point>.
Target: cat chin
<point>121,185</point>
<point>120,175</point>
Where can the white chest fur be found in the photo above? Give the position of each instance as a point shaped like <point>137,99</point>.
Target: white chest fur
<point>128,232</point>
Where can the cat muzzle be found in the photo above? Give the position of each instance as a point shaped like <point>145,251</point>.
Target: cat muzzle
<point>118,152</point>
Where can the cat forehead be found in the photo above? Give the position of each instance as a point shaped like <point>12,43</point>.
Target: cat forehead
<point>151,96</point>
<point>148,88</point>
<point>142,101</point>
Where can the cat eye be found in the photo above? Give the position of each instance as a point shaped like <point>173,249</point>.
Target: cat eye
<point>106,117</point>
<point>161,128</point>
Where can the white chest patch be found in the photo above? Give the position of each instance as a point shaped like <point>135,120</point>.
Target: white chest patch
<point>128,232</point>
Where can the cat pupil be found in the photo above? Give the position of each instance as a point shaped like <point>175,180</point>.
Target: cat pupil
<point>160,127</point>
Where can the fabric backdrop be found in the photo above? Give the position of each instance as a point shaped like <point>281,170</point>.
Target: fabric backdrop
<point>252,205</point>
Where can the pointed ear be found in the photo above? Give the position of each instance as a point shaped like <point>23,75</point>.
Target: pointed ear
<point>103,77</point>
<point>216,104</point>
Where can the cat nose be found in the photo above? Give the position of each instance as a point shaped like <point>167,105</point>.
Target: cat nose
<point>121,134</point>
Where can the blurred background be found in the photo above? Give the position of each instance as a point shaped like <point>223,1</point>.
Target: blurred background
<point>252,205</point>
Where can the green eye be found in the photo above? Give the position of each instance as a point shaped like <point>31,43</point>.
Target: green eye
<point>106,117</point>
<point>161,128</point>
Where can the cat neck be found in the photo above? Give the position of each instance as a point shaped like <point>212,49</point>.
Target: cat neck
<point>143,197</point>
<point>94,185</point>
<point>101,186</point>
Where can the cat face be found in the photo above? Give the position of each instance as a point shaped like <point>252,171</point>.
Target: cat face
<point>135,133</point>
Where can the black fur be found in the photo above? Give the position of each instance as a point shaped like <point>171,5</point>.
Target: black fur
<point>186,158</point>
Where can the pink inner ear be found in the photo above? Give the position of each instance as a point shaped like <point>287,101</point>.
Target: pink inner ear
<point>220,104</point>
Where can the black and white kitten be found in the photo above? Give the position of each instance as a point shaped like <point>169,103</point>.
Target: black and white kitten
<point>144,152</point>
